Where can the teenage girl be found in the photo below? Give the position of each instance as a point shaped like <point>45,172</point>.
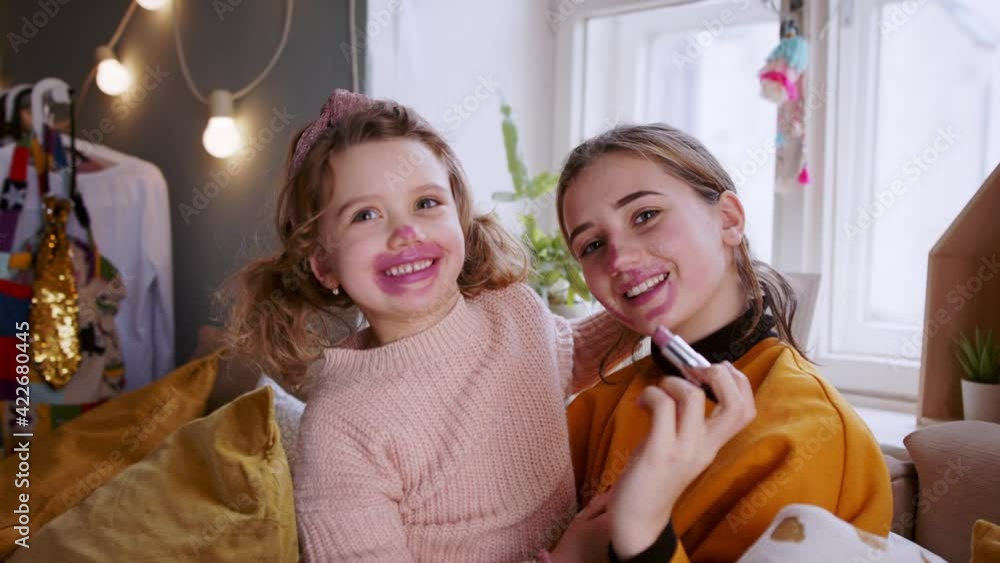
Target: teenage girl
<point>659,231</point>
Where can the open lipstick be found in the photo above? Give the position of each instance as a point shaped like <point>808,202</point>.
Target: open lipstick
<point>682,356</point>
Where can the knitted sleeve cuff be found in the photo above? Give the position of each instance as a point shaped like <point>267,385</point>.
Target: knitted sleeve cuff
<point>599,341</point>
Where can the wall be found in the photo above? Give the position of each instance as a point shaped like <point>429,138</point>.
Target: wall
<point>454,61</point>
<point>162,122</point>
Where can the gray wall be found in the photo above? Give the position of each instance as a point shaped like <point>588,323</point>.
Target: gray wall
<point>162,122</point>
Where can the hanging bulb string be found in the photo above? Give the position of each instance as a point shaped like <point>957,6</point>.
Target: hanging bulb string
<point>353,24</point>
<point>115,37</point>
<point>121,25</point>
<point>186,72</point>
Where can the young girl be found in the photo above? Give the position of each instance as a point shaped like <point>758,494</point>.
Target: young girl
<point>659,231</point>
<point>437,433</point>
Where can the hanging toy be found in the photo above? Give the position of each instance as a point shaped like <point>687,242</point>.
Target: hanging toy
<point>784,66</point>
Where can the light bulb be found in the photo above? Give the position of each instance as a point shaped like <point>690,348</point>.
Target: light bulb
<point>152,4</point>
<point>221,137</point>
<point>112,77</point>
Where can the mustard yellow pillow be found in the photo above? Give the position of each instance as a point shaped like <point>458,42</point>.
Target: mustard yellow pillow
<point>70,463</point>
<point>985,542</point>
<point>218,489</point>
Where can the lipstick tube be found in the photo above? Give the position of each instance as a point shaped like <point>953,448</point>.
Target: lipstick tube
<point>683,356</point>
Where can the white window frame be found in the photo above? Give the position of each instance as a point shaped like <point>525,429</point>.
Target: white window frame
<point>843,330</point>
<point>570,17</point>
<point>804,218</point>
<point>629,64</point>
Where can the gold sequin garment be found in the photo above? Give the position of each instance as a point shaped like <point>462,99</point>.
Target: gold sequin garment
<point>55,307</point>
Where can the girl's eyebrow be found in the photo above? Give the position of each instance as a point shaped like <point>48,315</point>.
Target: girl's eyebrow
<point>418,188</point>
<point>618,205</point>
<point>632,197</point>
<point>431,185</point>
<point>577,231</point>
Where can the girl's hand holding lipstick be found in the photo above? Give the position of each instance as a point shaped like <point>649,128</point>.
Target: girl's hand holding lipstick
<point>681,445</point>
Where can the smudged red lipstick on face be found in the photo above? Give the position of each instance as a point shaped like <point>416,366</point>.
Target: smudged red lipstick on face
<point>395,285</point>
<point>406,231</point>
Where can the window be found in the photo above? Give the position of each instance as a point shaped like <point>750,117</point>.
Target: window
<point>903,127</point>
<point>693,66</point>
<point>917,130</point>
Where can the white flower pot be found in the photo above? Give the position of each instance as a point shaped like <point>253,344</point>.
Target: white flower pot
<point>574,311</point>
<point>981,401</point>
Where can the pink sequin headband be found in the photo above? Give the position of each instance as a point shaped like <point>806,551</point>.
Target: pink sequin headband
<point>337,107</point>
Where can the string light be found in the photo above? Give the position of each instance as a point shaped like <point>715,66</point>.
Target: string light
<point>152,5</point>
<point>221,137</point>
<point>112,77</point>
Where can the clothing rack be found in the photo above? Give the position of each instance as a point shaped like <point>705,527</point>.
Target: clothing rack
<point>129,217</point>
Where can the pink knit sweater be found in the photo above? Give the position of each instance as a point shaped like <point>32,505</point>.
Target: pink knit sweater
<point>451,444</point>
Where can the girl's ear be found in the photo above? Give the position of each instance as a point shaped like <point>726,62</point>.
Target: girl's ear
<point>319,264</point>
<point>733,218</point>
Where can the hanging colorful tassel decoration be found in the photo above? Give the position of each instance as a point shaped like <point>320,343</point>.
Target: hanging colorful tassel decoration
<point>784,66</point>
<point>804,175</point>
<point>781,82</point>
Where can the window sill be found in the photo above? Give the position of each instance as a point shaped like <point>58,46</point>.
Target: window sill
<point>889,428</point>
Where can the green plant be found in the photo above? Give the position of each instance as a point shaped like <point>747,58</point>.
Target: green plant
<point>980,358</point>
<point>555,271</point>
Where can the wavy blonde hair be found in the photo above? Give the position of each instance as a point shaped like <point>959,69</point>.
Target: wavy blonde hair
<point>281,316</point>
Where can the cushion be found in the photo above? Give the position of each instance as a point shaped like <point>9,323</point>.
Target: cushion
<point>218,489</point>
<point>288,414</point>
<point>958,468</point>
<point>985,542</point>
<point>802,532</point>
<point>903,478</point>
<point>84,453</point>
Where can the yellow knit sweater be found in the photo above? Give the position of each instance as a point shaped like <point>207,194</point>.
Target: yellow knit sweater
<point>806,445</point>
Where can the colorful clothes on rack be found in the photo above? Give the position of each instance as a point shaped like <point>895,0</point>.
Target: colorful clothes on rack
<point>15,188</point>
<point>129,206</point>
<point>99,289</point>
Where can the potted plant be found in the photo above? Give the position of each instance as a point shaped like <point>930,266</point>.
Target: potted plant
<point>556,274</point>
<point>980,360</point>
